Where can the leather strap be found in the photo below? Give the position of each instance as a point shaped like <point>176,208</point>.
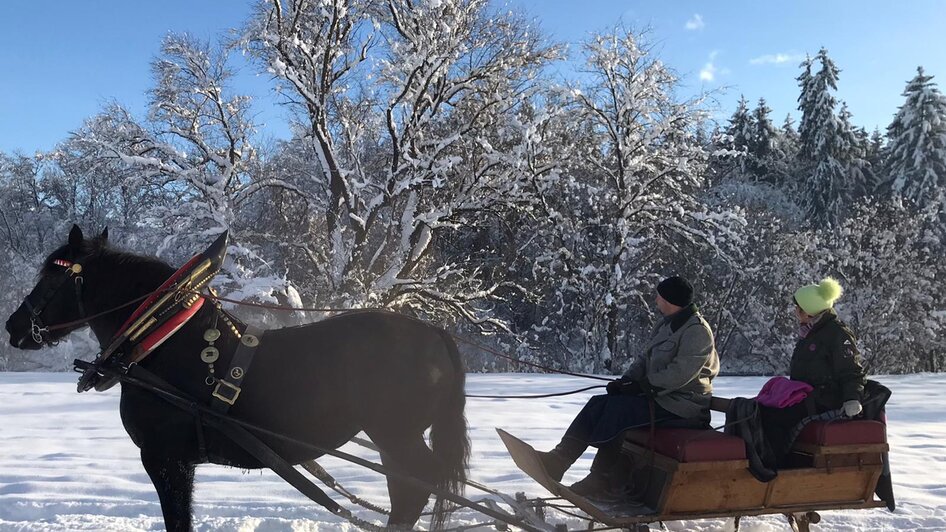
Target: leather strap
<point>227,390</point>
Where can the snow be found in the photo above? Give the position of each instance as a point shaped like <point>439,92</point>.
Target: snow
<point>66,463</point>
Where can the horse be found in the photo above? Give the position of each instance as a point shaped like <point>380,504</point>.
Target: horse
<point>380,372</point>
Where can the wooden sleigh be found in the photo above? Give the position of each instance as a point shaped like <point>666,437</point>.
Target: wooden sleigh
<point>686,474</point>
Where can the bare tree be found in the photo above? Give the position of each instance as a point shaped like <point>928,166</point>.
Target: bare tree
<point>401,103</point>
<point>627,210</point>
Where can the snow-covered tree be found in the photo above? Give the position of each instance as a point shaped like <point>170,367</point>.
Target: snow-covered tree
<point>876,157</point>
<point>764,135</point>
<point>747,301</point>
<point>806,103</point>
<point>890,265</point>
<point>766,158</point>
<point>625,211</point>
<point>789,139</point>
<point>742,127</point>
<point>916,150</point>
<point>37,208</point>
<point>852,155</point>
<point>825,187</point>
<point>194,154</point>
<point>403,106</point>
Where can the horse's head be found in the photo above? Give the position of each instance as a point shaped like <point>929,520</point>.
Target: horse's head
<point>57,297</point>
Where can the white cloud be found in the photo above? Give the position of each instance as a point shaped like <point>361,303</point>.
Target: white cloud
<point>708,72</point>
<point>695,23</point>
<point>776,59</point>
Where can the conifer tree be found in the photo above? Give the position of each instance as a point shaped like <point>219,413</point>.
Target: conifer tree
<point>875,153</point>
<point>741,126</point>
<point>851,154</point>
<point>805,99</point>
<point>738,137</point>
<point>917,145</point>
<point>764,154</point>
<point>788,138</point>
<point>825,187</point>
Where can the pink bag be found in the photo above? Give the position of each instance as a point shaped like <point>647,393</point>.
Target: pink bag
<point>781,392</point>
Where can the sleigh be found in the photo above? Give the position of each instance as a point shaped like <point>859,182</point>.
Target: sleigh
<point>684,474</point>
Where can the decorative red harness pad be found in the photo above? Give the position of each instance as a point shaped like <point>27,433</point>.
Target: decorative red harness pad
<point>166,330</point>
<point>158,293</point>
<point>169,327</point>
<point>159,316</point>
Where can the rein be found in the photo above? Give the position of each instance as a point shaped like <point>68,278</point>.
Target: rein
<point>87,319</point>
<point>454,336</point>
<point>214,297</point>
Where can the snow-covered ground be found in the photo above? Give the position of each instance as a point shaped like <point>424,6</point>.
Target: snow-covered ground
<point>66,463</point>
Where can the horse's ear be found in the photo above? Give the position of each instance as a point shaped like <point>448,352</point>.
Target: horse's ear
<point>75,236</point>
<point>104,236</point>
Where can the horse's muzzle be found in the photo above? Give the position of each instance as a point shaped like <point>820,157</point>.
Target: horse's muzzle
<point>23,339</point>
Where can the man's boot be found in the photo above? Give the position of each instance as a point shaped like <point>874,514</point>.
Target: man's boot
<point>608,478</point>
<point>557,461</point>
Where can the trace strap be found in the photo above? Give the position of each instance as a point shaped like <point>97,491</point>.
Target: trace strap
<point>239,435</point>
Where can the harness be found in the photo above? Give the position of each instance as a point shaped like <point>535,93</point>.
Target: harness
<point>158,317</point>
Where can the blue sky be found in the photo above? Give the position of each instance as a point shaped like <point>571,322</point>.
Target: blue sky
<point>63,60</point>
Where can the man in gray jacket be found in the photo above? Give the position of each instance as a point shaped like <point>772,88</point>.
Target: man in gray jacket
<point>671,384</point>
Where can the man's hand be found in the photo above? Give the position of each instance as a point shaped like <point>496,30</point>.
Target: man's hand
<point>624,386</point>
<point>614,387</point>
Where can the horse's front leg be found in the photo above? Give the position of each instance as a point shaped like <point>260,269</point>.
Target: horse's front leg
<point>173,478</point>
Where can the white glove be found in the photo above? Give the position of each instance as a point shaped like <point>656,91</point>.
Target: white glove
<point>852,408</point>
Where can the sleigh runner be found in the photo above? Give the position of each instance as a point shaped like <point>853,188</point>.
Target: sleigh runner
<point>685,474</point>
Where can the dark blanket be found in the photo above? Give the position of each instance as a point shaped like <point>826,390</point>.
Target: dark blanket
<point>605,417</point>
<point>742,420</point>
<point>875,401</point>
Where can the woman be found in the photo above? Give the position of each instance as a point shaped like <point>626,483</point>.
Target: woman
<point>825,357</point>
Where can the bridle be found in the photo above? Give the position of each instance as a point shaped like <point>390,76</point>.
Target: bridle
<point>38,328</point>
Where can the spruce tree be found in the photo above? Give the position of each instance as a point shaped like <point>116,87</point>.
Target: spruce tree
<point>876,158</point>
<point>788,138</point>
<point>826,187</point>
<point>764,155</point>
<point>739,135</point>
<point>805,100</point>
<point>740,126</point>
<point>851,154</point>
<point>917,145</point>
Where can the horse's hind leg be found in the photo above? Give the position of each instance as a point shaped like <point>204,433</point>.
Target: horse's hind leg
<point>174,481</point>
<point>410,456</point>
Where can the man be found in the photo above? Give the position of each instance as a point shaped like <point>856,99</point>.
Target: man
<point>673,380</point>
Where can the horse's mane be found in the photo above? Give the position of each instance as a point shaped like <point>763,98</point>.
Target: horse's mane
<point>97,250</point>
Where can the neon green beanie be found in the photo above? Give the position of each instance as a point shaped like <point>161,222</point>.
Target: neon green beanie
<point>816,298</point>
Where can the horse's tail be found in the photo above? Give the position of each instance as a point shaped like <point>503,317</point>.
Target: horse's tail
<point>448,436</point>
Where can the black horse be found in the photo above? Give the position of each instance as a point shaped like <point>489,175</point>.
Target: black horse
<point>386,374</point>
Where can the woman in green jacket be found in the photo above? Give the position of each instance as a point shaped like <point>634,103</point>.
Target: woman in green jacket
<point>826,357</point>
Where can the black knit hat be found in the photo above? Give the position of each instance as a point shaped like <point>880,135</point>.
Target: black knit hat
<point>676,291</point>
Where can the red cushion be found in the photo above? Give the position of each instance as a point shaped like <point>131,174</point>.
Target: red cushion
<point>851,432</point>
<point>692,445</point>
